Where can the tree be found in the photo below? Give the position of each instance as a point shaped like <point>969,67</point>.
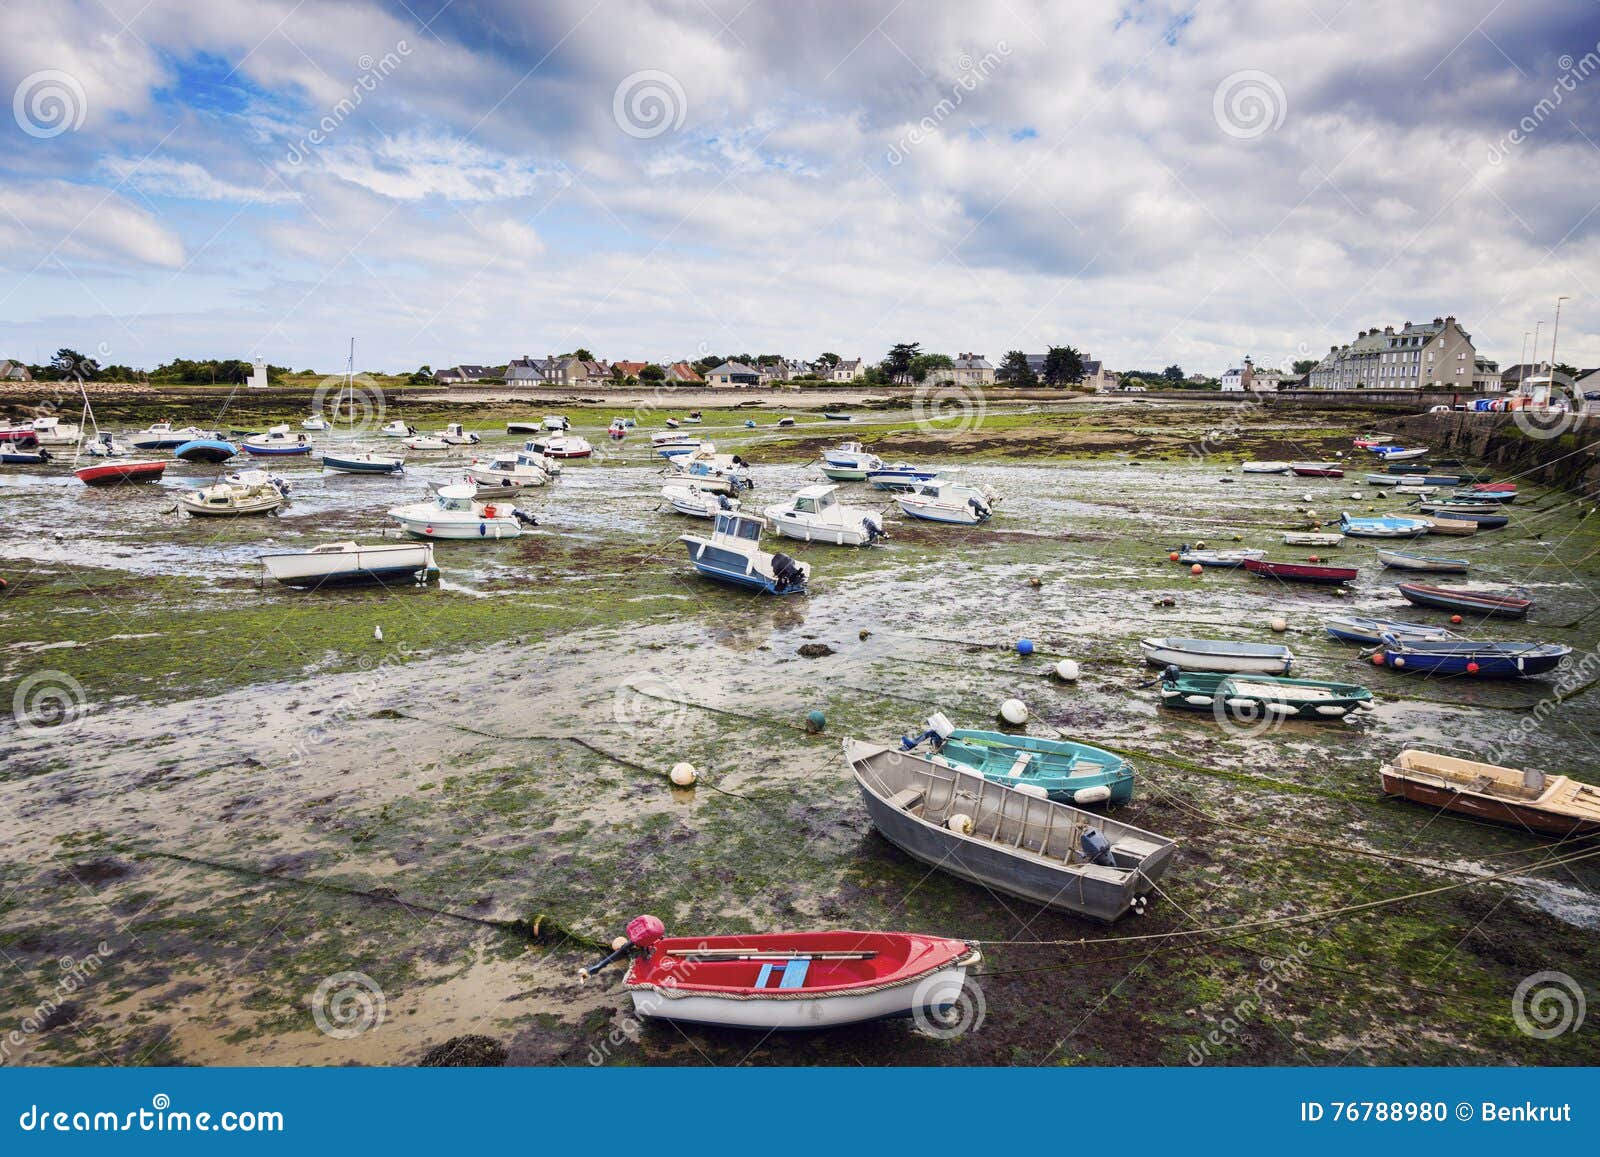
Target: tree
<point>1015,370</point>
<point>422,376</point>
<point>582,355</point>
<point>924,364</point>
<point>1564,368</point>
<point>1304,366</point>
<point>72,364</point>
<point>828,359</point>
<point>1063,366</point>
<point>1173,373</point>
<point>652,373</point>
<point>898,364</point>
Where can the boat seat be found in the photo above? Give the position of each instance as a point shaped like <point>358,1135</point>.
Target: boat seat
<point>1021,765</point>
<point>907,798</point>
<point>1103,874</point>
<point>791,974</point>
<point>1137,848</point>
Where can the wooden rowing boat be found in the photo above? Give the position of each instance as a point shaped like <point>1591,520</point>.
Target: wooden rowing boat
<point>1301,572</point>
<point>1455,599</point>
<point>1549,804</point>
<point>1318,469</point>
<point>1460,527</point>
<point>1041,851</point>
<point>1405,560</point>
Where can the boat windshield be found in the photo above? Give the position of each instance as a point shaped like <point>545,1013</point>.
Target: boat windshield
<point>805,506</point>
<point>825,501</point>
<point>454,503</point>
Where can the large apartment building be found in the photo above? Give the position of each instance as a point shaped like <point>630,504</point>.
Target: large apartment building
<point>1433,355</point>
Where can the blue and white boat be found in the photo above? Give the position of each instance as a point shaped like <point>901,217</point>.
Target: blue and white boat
<point>950,502</point>
<point>347,563</point>
<point>364,462</point>
<point>278,440</point>
<point>1382,527</point>
<point>1058,769</point>
<point>162,436</point>
<point>206,450</point>
<point>1370,632</point>
<point>733,555</point>
<point>1405,560</point>
<point>900,476</point>
<point>1466,657</point>
<point>848,462</point>
<point>670,444</point>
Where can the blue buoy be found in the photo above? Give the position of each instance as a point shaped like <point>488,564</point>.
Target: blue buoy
<point>749,423</point>
<point>1024,646</point>
<point>815,721</point>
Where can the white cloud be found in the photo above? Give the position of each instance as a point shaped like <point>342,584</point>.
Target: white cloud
<point>54,221</point>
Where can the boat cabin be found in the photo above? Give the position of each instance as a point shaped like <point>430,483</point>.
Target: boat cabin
<point>815,499</point>
<point>743,527</point>
<point>456,497</point>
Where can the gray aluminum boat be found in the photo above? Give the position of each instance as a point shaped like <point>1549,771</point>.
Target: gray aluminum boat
<point>1022,844</point>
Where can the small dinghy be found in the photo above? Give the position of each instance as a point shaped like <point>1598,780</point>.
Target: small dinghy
<point>316,423</point>
<point>1312,538</point>
<point>1396,454</point>
<point>426,442</point>
<point>848,462</point>
<point>212,450</point>
<point>114,473</point>
<point>1484,518</point>
<point>1488,499</point>
<point>1005,840</point>
<point>350,563</point>
<point>1384,479</point>
<point>367,462</point>
<point>1382,527</point>
<point>1550,804</point>
<point>790,980</point>
<point>1218,655</point>
<point>697,503</point>
<point>277,441</point>
<point>949,502</point>
<point>900,476</point>
<point>733,555</point>
<point>1318,469</point>
<point>455,513</point>
<point>1470,602</point>
<point>669,444</point>
<point>1468,657</point>
<point>245,493</point>
<point>1456,527</point>
<point>105,446</point>
<point>1058,769</point>
<point>1416,468</point>
<point>556,423</point>
<point>1214,558</point>
<point>815,514</point>
<point>1264,468</point>
<point>10,457</point>
<point>1251,698</point>
<point>1301,572</point>
<point>832,417</point>
<point>1370,631</point>
<point>692,419</point>
<point>1403,560</point>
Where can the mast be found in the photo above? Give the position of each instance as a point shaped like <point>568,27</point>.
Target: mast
<point>1555,332</point>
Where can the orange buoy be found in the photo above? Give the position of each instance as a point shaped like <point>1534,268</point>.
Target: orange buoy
<point>1455,619</point>
<point>1197,569</point>
<point>1377,660</point>
<point>1173,557</point>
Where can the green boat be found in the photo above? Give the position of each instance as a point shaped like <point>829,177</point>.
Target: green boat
<point>1256,697</point>
<point>1057,769</point>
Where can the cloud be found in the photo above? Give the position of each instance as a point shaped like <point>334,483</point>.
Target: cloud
<point>54,221</point>
<point>185,180</point>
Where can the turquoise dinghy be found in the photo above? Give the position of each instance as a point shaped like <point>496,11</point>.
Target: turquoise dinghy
<point>1057,769</point>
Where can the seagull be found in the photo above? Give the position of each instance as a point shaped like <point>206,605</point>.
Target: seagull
<point>377,633</point>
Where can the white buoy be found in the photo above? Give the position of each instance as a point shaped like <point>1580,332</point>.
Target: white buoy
<point>1307,496</point>
<point>1014,712</point>
<point>960,823</point>
<point>377,633</point>
<point>618,943</point>
<point>1280,624</point>
<point>1067,670</point>
<point>684,774</point>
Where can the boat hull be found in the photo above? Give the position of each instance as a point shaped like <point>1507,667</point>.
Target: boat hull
<point>1301,572</point>
<point>928,512</point>
<point>206,450</point>
<point>277,451</point>
<point>1500,606</point>
<point>1487,664</point>
<point>116,473</point>
<point>734,569</point>
<point>1318,471</point>
<point>379,465</point>
<point>1399,560</point>
<point>1168,652</point>
<point>1486,808</point>
<point>400,563</point>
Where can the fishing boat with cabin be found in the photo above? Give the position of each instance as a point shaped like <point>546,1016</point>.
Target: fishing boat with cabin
<point>733,555</point>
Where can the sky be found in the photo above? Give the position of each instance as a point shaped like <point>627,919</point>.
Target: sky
<point>477,180</point>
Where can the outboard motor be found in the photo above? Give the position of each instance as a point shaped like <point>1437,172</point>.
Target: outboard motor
<point>787,572</point>
<point>1170,673</point>
<point>1097,849</point>
<point>726,503</point>
<point>642,932</point>
<point>874,529</point>
<point>979,507</point>
<point>524,517</point>
<point>939,729</point>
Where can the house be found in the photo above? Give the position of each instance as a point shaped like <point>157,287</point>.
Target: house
<point>554,371</point>
<point>526,370</point>
<point>628,369</point>
<point>1522,372</point>
<point>1197,379</point>
<point>1271,381</point>
<point>1431,355</point>
<point>11,371</point>
<point>844,371</point>
<point>1486,375</point>
<point>684,374</point>
<point>1240,379</point>
<point>968,370</point>
<point>734,374</point>
<point>774,373</point>
<point>463,375</point>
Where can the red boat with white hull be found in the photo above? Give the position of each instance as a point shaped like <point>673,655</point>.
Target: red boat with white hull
<point>115,473</point>
<point>1317,469</point>
<point>792,980</point>
<point>1301,572</point>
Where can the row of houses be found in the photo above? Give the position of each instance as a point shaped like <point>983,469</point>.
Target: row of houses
<point>571,371</point>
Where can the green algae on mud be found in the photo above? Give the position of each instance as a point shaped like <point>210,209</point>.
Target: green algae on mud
<point>351,786</point>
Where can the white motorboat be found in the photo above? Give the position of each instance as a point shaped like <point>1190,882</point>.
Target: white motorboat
<point>506,475</point>
<point>396,429</point>
<point>697,503</point>
<point>316,423</point>
<point>426,442</point>
<point>848,462</point>
<point>454,435</point>
<point>105,446</point>
<point>1264,468</point>
<point>670,444</point>
<point>162,436</point>
<point>455,512</point>
<point>247,492</point>
<point>815,514</point>
<point>733,555</point>
<point>953,502</point>
<point>535,457</point>
<point>559,446</point>
<point>345,563</point>
<point>53,431</point>
<point>278,440</point>
<point>555,423</point>
<point>724,473</point>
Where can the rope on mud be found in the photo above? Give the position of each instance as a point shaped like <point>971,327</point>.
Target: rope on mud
<point>1308,917</point>
<point>540,928</point>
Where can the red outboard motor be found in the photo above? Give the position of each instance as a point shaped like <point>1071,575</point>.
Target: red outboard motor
<point>642,932</point>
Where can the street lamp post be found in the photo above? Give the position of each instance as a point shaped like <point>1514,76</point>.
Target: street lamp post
<point>1555,332</point>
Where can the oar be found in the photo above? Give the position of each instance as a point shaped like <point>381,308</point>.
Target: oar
<point>710,954</point>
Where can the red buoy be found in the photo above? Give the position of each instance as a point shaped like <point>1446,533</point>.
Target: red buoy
<point>1472,668</point>
<point>1377,660</point>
